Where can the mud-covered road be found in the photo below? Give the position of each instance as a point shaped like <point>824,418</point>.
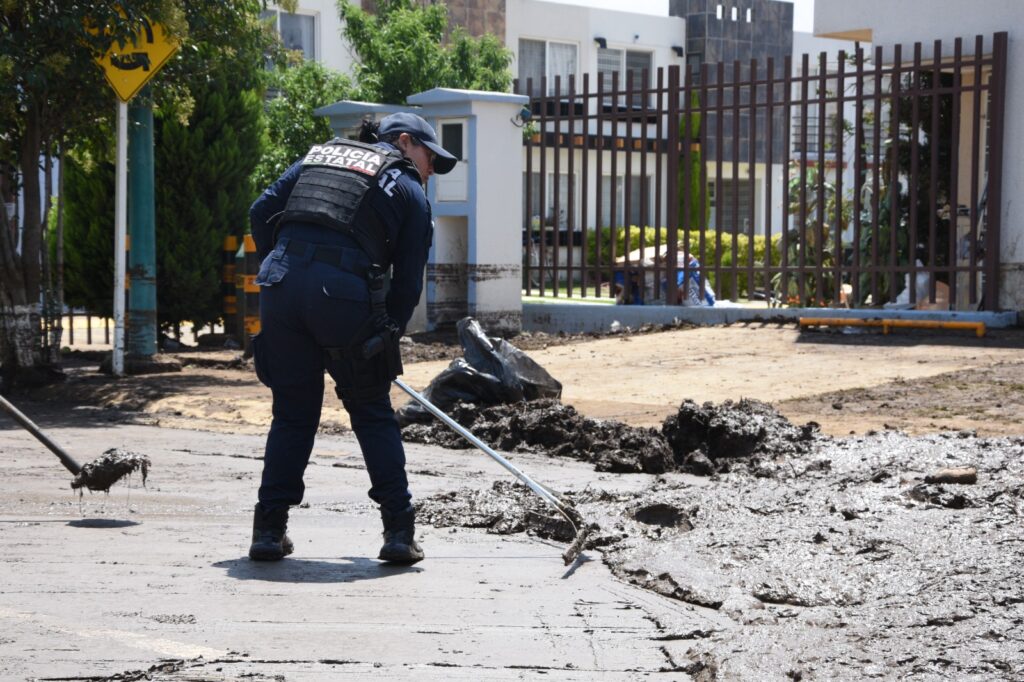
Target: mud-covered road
<point>794,501</point>
<point>851,558</point>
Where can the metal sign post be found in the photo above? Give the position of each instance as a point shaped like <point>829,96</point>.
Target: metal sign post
<point>127,69</point>
<point>120,230</point>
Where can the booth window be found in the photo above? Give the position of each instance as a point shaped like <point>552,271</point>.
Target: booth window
<point>452,139</point>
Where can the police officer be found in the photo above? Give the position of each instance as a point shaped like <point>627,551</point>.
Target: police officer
<point>328,232</point>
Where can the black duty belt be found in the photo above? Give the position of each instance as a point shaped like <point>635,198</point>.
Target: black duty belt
<point>348,259</point>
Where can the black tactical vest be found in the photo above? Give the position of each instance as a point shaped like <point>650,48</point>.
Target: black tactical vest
<point>335,178</point>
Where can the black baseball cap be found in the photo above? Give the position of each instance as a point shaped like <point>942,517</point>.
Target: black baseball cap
<point>406,122</point>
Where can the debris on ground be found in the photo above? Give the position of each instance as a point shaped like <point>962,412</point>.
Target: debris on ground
<point>506,508</point>
<point>962,475</point>
<point>555,429</point>
<point>491,372</point>
<point>702,440</point>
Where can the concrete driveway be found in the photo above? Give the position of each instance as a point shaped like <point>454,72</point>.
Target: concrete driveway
<point>155,581</point>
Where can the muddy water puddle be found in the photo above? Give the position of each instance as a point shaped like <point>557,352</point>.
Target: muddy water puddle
<point>810,558</point>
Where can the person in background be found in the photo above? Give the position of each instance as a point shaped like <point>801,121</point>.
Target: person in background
<point>328,233</point>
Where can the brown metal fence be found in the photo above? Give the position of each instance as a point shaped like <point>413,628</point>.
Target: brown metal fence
<point>238,270</point>
<point>857,181</point>
<point>82,328</point>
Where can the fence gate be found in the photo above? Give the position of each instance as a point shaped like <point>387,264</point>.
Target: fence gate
<point>844,181</point>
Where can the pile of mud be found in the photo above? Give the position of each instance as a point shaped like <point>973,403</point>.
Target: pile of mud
<point>549,427</point>
<point>701,440</point>
<point>509,507</point>
<point>708,439</point>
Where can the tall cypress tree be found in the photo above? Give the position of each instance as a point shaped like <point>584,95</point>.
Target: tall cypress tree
<point>204,167</point>
<point>89,228</point>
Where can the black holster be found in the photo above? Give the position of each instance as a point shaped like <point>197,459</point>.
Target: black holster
<point>384,341</point>
<point>366,369</point>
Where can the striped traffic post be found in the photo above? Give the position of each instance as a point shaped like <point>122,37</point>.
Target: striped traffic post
<point>246,291</point>
<point>227,286</point>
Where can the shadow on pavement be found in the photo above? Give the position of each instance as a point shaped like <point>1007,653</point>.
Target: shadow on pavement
<point>102,523</point>
<point>341,570</point>
<point>580,560</point>
<point>106,400</point>
<point>869,336</point>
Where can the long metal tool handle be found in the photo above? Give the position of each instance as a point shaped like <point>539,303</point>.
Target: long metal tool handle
<point>465,433</point>
<point>65,459</point>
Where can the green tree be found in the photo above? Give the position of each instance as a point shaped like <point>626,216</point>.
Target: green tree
<point>205,151</point>
<point>209,161</point>
<point>401,51</point>
<point>815,241</point>
<point>290,124</point>
<point>88,226</point>
<point>51,91</point>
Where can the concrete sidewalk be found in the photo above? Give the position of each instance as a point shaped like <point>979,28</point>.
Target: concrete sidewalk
<point>156,579</point>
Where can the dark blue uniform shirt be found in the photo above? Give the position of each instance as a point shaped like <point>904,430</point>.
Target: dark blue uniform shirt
<point>403,209</point>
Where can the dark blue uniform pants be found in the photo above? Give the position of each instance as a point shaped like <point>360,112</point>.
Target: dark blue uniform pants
<point>305,307</point>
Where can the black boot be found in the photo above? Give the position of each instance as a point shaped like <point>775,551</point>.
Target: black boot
<point>400,546</point>
<point>270,534</point>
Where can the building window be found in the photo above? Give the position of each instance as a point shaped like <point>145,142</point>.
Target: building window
<point>451,139</point>
<point>731,191</point>
<point>639,201</point>
<point>549,215</point>
<point>610,61</point>
<point>811,143</point>
<point>297,31</point>
<point>539,59</point>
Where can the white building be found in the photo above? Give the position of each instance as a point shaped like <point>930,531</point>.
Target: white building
<point>553,40</point>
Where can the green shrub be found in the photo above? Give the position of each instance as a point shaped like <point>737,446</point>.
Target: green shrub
<point>707,256</point>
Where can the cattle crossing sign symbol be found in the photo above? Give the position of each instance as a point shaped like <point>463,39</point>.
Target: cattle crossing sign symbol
<point>129,67</point>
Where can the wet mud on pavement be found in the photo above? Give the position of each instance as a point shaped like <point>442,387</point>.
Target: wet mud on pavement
<point>107,470</point>
<point>832,559</point>
<point>781,553</point>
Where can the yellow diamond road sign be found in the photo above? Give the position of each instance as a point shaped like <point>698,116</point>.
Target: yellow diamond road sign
<point>129,67</point>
